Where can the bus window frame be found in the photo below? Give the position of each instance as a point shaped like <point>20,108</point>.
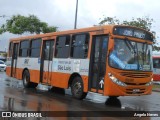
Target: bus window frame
<point>30,48</point>
<point>88,44</point>
<point>10,49</point>
<point>68,37</point>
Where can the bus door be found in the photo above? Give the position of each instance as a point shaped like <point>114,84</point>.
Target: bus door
<point>14,59</point>
<point>46,61</point>
<point>98,62</point>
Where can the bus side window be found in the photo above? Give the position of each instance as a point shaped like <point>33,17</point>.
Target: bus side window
<point>79,48</point>
<point>10,49</point>
<point>24,47</point>
<point>62,46</point>
<point>35,48</point>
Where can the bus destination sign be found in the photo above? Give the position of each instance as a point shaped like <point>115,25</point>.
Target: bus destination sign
<point>133,32</point>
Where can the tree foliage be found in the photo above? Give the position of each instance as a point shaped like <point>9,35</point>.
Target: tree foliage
<point>109,21</point>
<point>19,24</point>
<point>144,22</point>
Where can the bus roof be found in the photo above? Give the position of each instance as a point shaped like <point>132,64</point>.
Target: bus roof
<point>82,30</point>
<point>64,32</point>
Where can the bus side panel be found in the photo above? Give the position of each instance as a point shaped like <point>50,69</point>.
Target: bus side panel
<point>34,76</point>
<point>32,65</point>
<point>85,83</point>
<point>19,72</point>
<point>60,79</point>
<point>64,68</point>
<point>8,71</point>
<point>8,68</point>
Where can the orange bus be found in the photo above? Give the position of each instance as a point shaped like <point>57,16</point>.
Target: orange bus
<point>111,60</point>
<point>156,68</point>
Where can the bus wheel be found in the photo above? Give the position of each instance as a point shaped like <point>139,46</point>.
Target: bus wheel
<point>77,88</point>
<point>26,80</point>
<point>113,101</point>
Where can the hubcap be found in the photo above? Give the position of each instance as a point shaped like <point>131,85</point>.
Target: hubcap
<point>77,88</point>
<point>25,79</point>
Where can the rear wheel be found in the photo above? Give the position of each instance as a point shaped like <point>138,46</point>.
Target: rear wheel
<point>26,80</point>
<point>77,88</point>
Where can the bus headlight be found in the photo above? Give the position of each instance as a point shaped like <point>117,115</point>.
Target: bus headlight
<point>115,80</point>
<point>149,83</point>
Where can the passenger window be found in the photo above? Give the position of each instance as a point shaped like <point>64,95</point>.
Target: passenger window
<point>23,50</point>
<point>62,46</point>
<point>79,47</point>
<point>35,48</point>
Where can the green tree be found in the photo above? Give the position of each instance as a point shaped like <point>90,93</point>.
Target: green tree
<point>109,21</point>
<point>144,22</point>
<point>19,24</point>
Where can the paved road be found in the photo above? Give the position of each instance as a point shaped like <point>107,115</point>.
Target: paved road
<point>13,97</point>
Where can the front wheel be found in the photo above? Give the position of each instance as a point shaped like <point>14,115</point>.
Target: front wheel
<point>113,101</point>
<point>26,80</point>
<point>77,88</point>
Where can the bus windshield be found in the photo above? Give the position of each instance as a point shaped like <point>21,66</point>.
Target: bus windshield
<point>130,55</point>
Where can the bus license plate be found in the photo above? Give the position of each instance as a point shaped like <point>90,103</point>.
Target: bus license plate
<point>136,90</point>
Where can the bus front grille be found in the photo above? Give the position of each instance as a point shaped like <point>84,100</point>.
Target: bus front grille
<point>135,83</point>
<point>135,74</point>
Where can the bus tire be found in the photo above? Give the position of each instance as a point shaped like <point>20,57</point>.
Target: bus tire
<point>77,88</point>
<point>26,80</point>
<point>113,101</point>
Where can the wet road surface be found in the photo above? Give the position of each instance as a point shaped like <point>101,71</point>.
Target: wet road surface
<point>13,97</point>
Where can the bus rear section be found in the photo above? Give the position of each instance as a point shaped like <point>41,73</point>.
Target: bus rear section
<point>156,69</point>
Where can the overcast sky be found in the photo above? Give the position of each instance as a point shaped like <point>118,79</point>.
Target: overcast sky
<point>61,13</point>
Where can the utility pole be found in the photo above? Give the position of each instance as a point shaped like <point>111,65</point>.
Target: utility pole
<point>75,23</point>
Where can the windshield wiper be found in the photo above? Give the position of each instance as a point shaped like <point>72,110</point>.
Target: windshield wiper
<point>144,50</point>
<point>130,46</point>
